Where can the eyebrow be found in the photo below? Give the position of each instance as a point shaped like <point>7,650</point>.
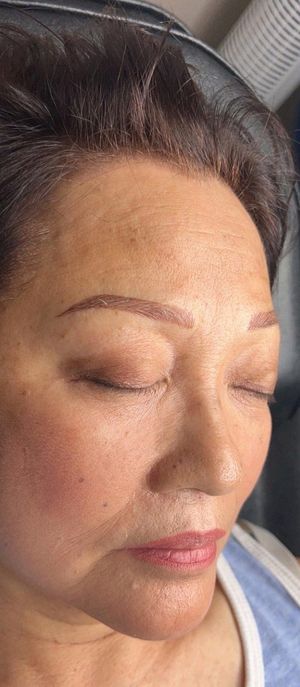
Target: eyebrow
<point>158,311</point>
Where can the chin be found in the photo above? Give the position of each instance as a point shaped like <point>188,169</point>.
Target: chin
<point>154,609</point>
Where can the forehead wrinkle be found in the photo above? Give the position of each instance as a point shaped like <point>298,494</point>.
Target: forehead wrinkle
<point>145,213</point>
<point>171,233</point>
<point>175,231</point>
<point>185,224</point>
<point>174,245</point>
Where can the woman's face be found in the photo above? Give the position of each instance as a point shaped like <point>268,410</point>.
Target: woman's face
<point>85,470</point>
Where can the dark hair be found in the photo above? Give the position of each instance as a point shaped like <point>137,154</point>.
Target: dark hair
<point>70,99</point>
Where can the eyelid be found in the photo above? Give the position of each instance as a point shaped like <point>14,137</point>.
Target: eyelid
<point>258,392</point>
<point>153,388</point>
<point>150,390</point>
<point>97,376</point>
<point>266,374</point>
<point>111,384</point>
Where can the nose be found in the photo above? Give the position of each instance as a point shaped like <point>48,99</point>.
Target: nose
<point>205,456</point>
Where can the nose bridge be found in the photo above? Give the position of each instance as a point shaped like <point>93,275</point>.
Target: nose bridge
<point>205,456</point>
<point>210,446</point>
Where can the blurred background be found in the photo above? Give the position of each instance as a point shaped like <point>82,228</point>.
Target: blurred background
<point>223,24</point>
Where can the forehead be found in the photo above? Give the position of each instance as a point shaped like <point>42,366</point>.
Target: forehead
<point>146,229</point>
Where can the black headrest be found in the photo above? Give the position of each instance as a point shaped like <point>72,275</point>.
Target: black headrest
<point>214,73</point>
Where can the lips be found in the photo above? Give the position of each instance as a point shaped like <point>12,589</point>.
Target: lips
<point>184,540</point>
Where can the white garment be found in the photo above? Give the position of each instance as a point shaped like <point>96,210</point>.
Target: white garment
<point>270,552</point>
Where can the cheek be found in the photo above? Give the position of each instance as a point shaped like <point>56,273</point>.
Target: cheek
<point>67,477</point>
<point>69,466</point>
<point>254,444</point>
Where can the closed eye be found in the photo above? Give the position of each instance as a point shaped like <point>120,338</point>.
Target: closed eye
<point>153,389</point>
<point>269,397</point>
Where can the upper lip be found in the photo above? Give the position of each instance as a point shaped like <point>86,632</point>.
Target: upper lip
<point>184,540</point>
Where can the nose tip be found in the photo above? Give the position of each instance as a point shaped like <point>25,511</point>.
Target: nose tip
<point>196,473</point>
<point>220,471</point>
<point>229,471</point>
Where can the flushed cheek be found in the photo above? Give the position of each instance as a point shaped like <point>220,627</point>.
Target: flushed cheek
<point>66,483</point>
<point>71,471</point>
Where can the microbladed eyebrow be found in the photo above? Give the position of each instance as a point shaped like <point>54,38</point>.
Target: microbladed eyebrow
<point>159,311</point>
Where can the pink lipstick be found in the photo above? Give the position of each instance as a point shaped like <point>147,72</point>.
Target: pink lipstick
<point>185,552</point>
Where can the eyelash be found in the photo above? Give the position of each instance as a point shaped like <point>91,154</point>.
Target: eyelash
<point>123,389</point>
<point>270,398</point>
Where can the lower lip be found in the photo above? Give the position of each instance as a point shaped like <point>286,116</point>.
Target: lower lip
<point>185,560</point>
